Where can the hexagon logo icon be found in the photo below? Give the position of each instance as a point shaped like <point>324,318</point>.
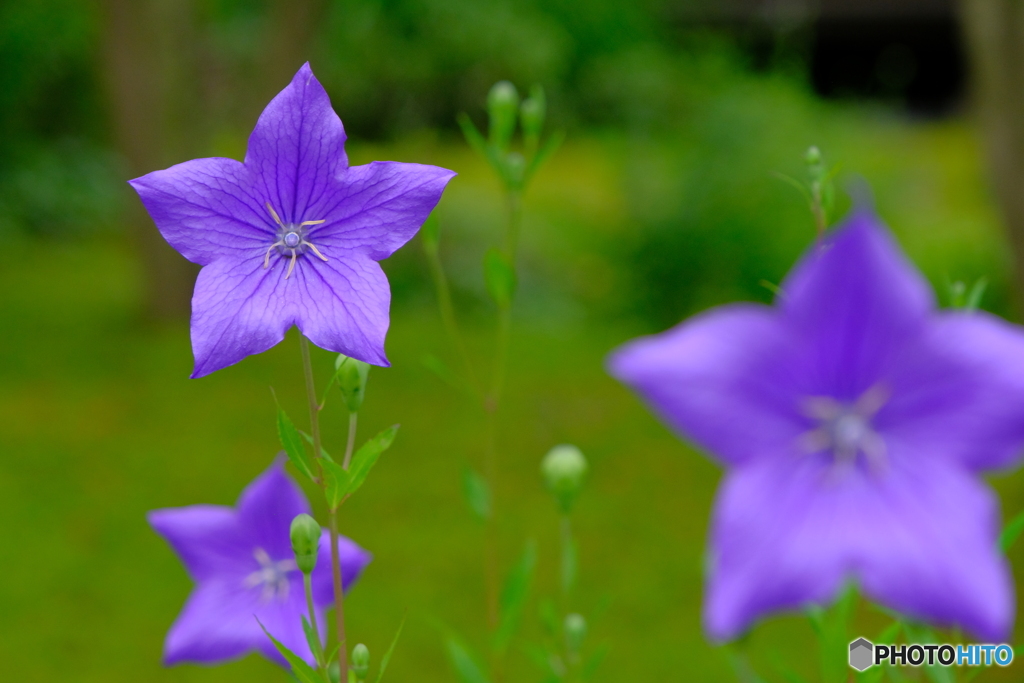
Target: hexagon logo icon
<point>861,651</point>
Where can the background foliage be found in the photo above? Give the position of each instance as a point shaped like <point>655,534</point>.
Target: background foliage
<point>662,203</point>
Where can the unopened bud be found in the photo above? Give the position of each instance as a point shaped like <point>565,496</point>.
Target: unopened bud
<point>564,469</point>
<point>360,661</point>
<point>305,533</point>
<point>352,375</point>
<point>532,112</point>
<point>813,156</point>
<point>502,106</point>
<point>575,631</point>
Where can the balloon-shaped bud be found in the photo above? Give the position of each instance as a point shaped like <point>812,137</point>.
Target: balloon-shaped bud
<point>813,156</point>
<point>575,631</point>
<point>352,375</point>
<point>360,661</point>
<point>305,534</point>
<point>502,106</point>
<point>564,468</point>
<point>532,112</point>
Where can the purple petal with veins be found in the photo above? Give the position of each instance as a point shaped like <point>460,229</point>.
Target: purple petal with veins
<point>292,235</point>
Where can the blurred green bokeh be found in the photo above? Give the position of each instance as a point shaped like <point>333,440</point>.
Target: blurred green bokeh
<point>663,202</point>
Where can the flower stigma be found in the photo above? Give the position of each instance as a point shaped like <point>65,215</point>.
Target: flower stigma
<point>291,240</point>
<point>273,576</point>
<point>845,429</point>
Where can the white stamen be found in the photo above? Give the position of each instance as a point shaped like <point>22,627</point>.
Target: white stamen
<point>315,250</point>
<point>291,266</point>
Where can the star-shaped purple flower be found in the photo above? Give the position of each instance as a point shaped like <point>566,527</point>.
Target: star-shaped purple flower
<point>854,419</point>
<point>242,562</point>
<point>292,236</point>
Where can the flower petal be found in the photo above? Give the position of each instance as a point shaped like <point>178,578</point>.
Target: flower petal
<point>217,623</point>
<point>855,300</point>
<point>353,560</point>
<point>724,379</point>
<point>207,538</point>
<point>297,148</point>
<point>342,306</point>
<point>378,207</point>
<point>959,393</point>
<point>267,507</point>
<point>206,208</point>
<point>237,310</point>
<point>920,540</point>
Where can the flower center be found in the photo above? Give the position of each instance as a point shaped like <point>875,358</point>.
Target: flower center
<point>845,429</point>
<point>291,241</point>
<point>272,576</point>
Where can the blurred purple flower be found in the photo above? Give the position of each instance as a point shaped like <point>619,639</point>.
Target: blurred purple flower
<point>241,560</point>
<point>854,419</point>
<point>291,236</point>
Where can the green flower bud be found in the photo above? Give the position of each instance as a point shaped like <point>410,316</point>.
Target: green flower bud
<point>575,631</point>
<point>352,375</point>
<point>532,112</point>
<point>502,105</point>
<point>305,533</point>
<point>564,469</point>
<point>360,661</point>
<point>813,156</point>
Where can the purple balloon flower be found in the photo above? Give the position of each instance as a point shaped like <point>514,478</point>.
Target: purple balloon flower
<point>242,562</point>
<point>854,419</point>
<point>292,236</point>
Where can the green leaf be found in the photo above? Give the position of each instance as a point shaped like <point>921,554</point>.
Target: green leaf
<point>444,373</point>
<point>974,298</point>
<point>366,457</point>
<point>291,440</point>
<point>391,649</point>
<point>513,597</point>
<point>593,662</point>
<point>543,154</point>
<point>500,277</point>
<point>478,494</point>
<point>304,672</point>
<point>309,439</point>
<point>315,646</point>
<point>483,148</point>
<point>465,665</point>
<point>1011,532</point>
<point>338,480</point>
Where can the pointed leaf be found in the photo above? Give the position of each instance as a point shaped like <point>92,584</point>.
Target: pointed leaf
<point>593,662</point>
<point>480,144</point>
<point>338,480</point>
<point>391,649</point>
<point>477,493</point>
<point>301,670</point>
<point>465,665</point>
<point>291,440</point>
<point>315,646</point>
<point>543,154</point>
<point>500,277</point>
<point>366,457</point>
<point>977,291</point>
<point>513,597</point>
<point>309,439</point>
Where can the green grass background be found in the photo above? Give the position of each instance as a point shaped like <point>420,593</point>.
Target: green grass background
<point>99,422</point>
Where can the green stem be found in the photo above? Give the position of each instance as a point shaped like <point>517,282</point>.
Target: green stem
<point>351,442</point>
<point>314,419</point>
<point>318,653</point>
<point>568,561</point>
<point>339,605</point>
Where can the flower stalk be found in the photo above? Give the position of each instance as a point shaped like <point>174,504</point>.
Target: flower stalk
<point>314,428</point>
